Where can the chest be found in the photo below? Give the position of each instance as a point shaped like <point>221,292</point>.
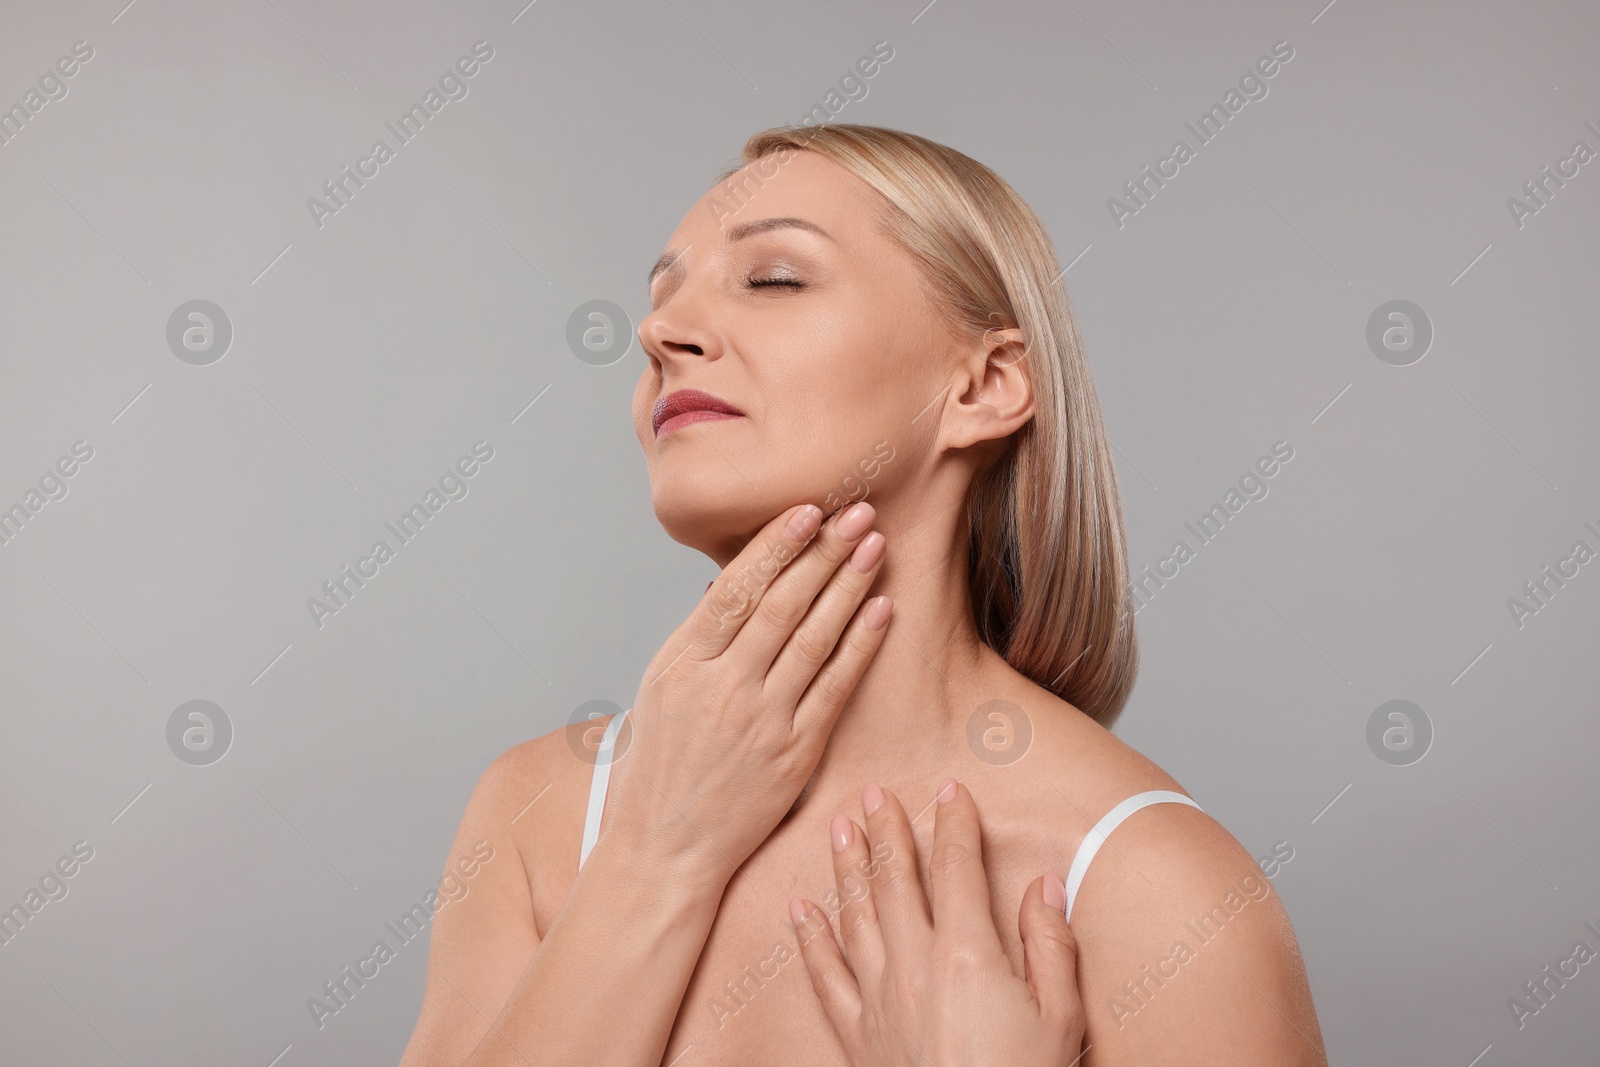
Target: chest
<point>749,999</point>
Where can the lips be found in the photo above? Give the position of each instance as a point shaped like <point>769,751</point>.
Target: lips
<point>689,405</point>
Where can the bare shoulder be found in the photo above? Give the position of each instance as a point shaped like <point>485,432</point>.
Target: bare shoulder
<point>539,791</point>
<point>1081,768</point>
<point>505,877</point>
<point>1185,952</point>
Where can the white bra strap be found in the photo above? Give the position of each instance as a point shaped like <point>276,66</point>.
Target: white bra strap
<point>1102,830</point>
<point>598,784</point>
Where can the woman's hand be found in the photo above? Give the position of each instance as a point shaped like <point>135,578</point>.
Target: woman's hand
<point>734,710</point>
<point>915,989</point>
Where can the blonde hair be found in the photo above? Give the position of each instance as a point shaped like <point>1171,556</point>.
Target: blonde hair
<point>1048,565</point>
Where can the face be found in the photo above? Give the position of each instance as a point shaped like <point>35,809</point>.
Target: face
<point>794,309</point>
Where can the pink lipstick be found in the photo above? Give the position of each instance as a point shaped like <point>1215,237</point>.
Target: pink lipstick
<point>685,406</point>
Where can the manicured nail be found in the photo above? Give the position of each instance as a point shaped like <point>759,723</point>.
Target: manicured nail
<point>854,522</point>
<point>876,617</point>
<point>797,911</point>
<point>839,832</point>
<point>804,523</point>
<point>947,791</point>
<point>1055,891</point>
<point>867,552</point>
<point>871,798</point>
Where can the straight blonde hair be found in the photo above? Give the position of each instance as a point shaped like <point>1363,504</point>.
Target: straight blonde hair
<point>1048,565</point>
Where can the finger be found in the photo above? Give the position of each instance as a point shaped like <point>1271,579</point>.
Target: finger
<point>787,597</point>
<point>734,594</point>
<point>1049,949</point>
<point>819,708</point>
<point>818,632</point>
<point>858,917</point>
<point>831,978</point>
<point>897,895</point>
<point>956,878</point>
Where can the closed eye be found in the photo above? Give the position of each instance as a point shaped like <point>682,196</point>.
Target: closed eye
<point>758,283</point>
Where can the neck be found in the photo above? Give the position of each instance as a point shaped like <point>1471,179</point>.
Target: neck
<point>907,715</point>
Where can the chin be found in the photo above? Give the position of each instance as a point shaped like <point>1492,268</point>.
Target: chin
<point>715,513</point>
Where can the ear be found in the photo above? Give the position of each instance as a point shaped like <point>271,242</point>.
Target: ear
<point>994,397</point>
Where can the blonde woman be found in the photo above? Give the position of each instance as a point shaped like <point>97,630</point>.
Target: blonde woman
<point>855,813</point>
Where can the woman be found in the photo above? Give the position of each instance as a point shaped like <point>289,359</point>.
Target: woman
<point>858,311</point>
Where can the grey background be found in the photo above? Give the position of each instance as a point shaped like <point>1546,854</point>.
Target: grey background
<point>369,354</point>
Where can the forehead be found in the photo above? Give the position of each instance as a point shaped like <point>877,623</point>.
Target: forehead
<point>807,186</point>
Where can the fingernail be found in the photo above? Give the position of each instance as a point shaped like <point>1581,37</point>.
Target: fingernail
<point>797,911</point>
<point>854,522</point>
<point>947,790</point>
<point>871,798</point>
<point>804,522</point>
<point>839,833</point>
<point>1055,891</point>
<point>867,552</point>
<point>876,617</point>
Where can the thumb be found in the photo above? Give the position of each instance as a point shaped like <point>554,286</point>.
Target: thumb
<point>1050,950</point>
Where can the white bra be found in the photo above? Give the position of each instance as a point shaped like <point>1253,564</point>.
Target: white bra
<point>1080,862</point>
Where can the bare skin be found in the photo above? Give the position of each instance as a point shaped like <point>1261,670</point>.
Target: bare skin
<point>631,961</point>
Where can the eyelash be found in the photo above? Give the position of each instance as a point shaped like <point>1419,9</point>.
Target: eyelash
<point>764,283</point>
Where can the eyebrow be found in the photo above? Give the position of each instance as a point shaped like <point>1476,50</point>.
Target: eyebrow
<point>740,232</point>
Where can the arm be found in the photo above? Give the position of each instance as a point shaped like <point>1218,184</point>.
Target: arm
<point>498,994</point>
<point>764,671</point>
<point>604,985</point>
<point>1185,952</point>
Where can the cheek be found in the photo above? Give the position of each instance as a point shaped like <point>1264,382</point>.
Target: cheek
<point>826,444</point>
<point>862,386</point>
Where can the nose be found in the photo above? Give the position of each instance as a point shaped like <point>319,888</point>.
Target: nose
<point>677,331</point>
